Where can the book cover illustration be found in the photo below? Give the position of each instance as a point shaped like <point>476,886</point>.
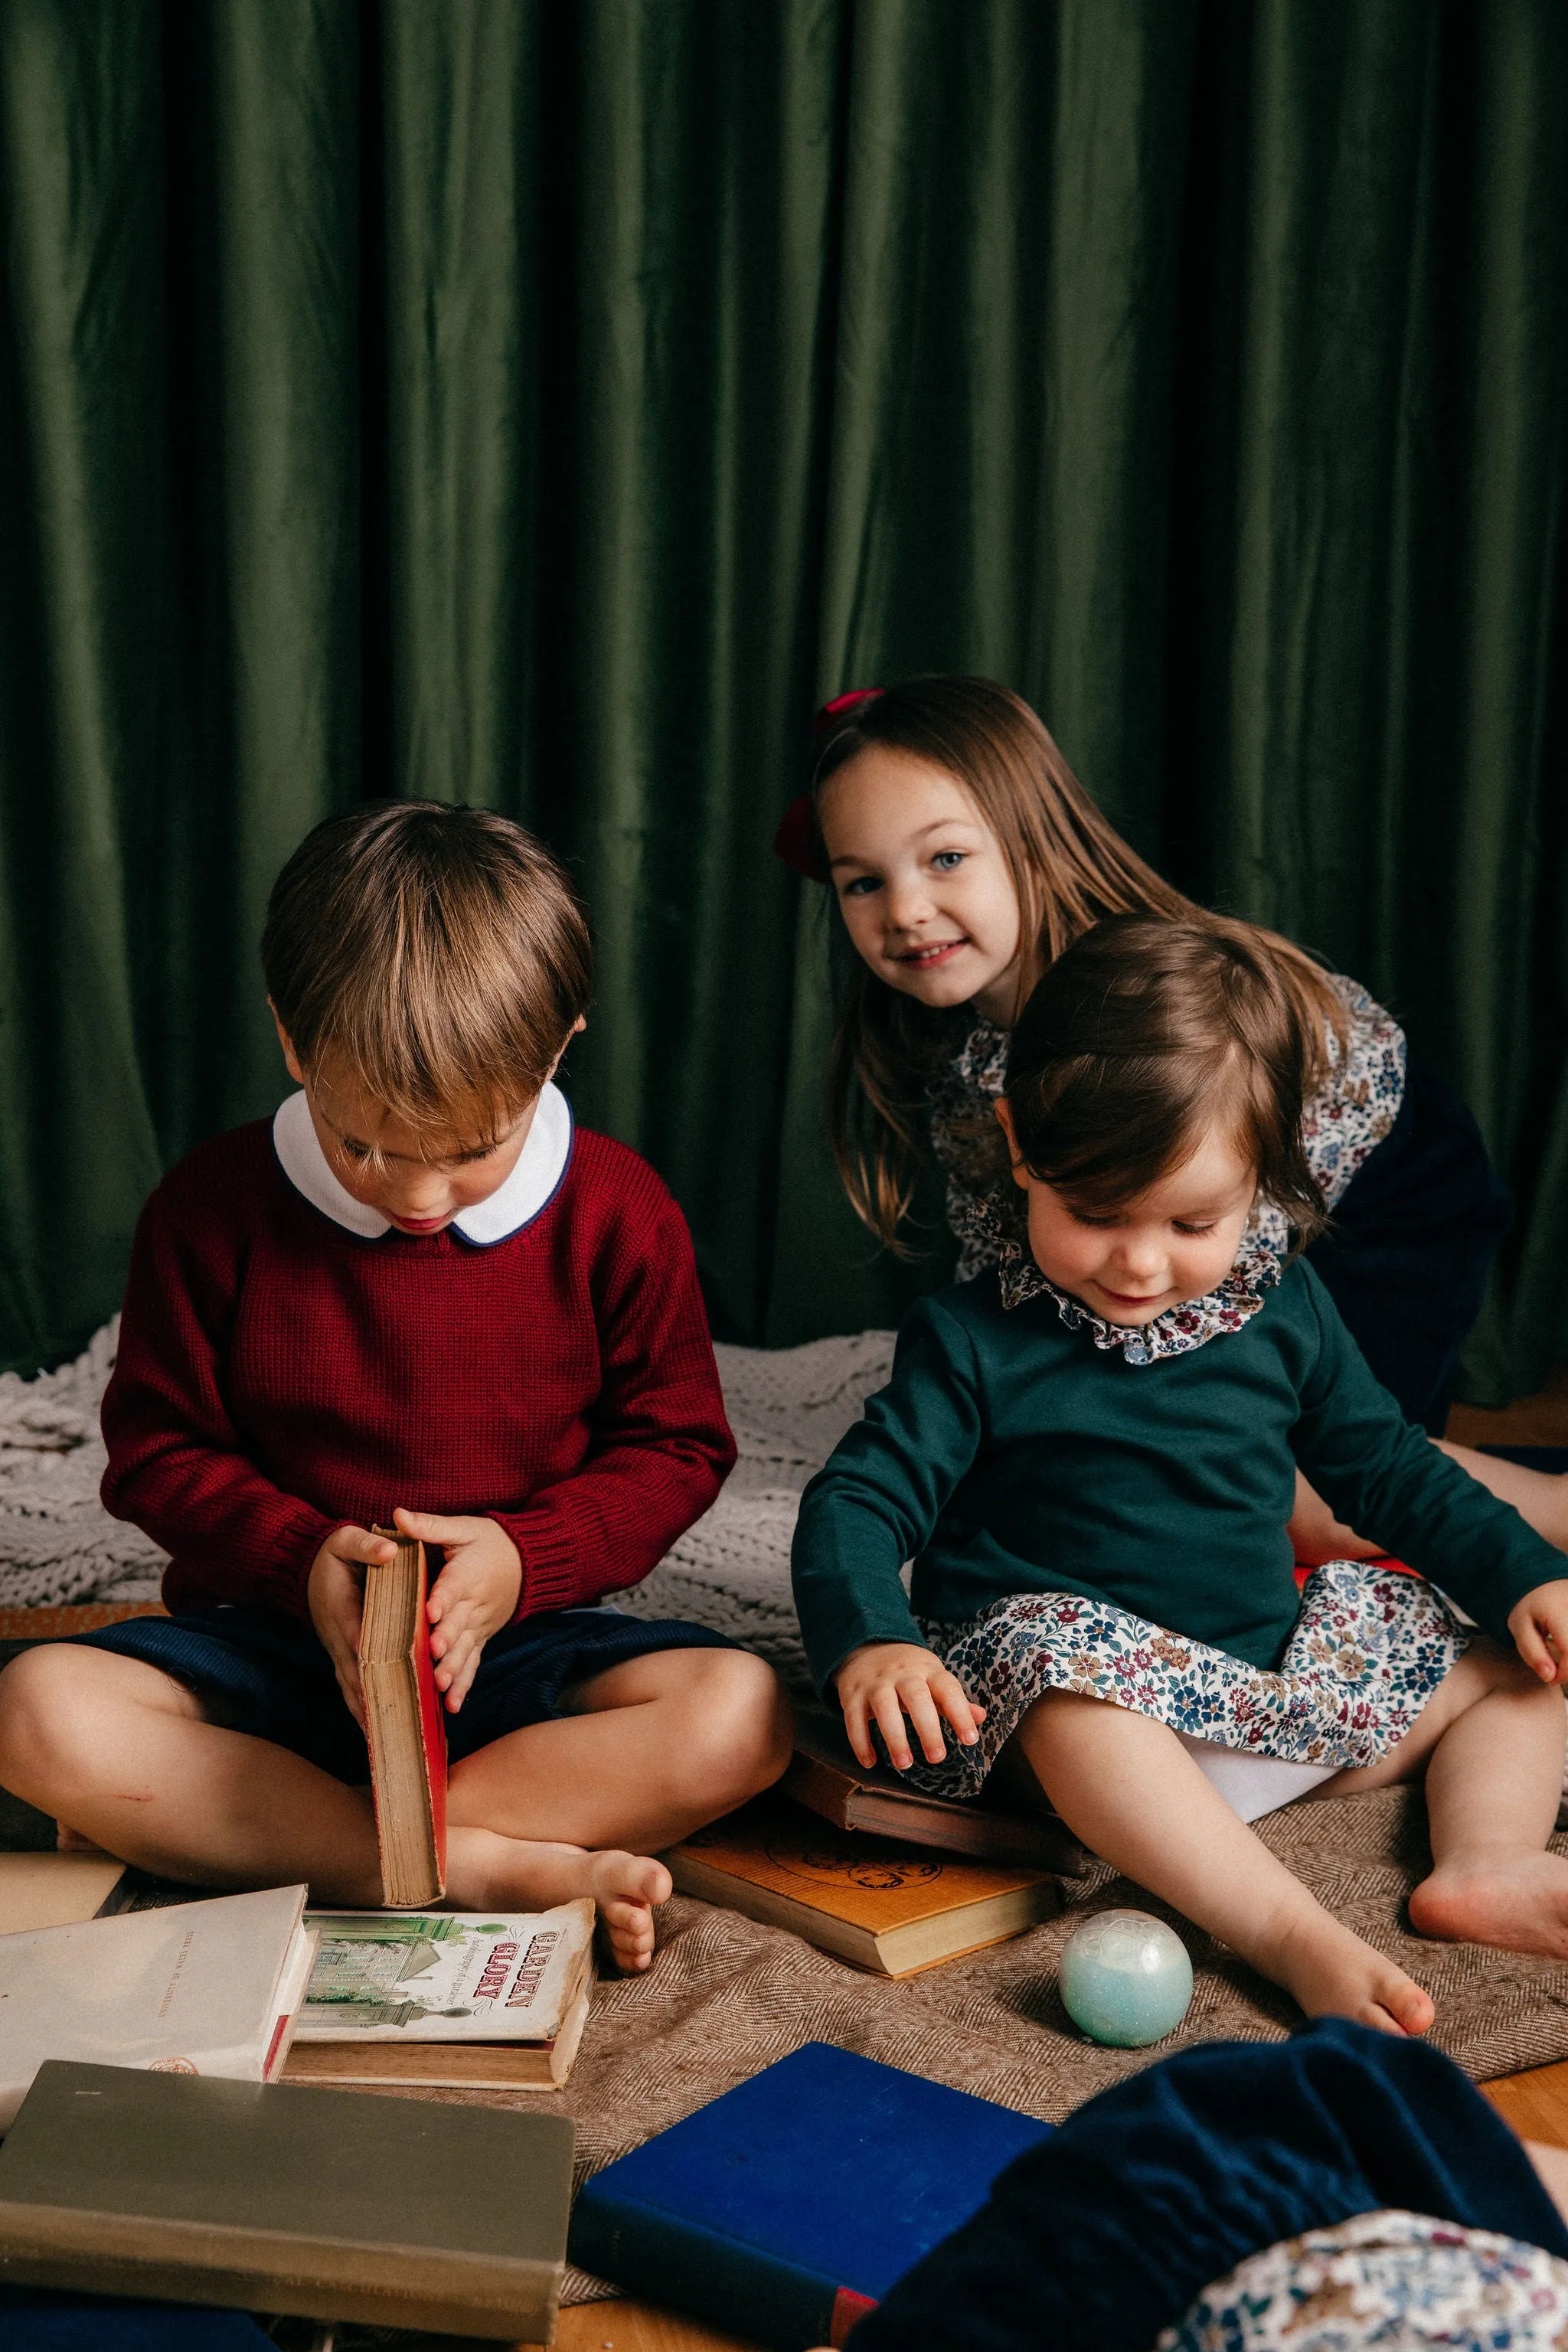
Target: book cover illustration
<point>446,1976</point>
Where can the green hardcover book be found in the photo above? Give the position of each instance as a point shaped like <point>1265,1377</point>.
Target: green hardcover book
<point>329,2204</point>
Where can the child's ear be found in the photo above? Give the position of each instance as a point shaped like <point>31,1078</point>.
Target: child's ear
<point>291,1058</point>
<point>1005,1120</point>
<point>575,1031</point>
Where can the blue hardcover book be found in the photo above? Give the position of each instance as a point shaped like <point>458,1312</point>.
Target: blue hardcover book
<point>787,2209</point>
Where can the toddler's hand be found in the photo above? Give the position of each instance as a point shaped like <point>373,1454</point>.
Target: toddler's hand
<point>884,1682</point>
<point>474,1596</point>
<point>335,1596</point>
<point>1539,1624</point>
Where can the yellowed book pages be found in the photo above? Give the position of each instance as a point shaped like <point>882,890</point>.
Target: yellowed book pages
<point>446,2065</point>
<point>878,1903</point>
<point>54,1890</point>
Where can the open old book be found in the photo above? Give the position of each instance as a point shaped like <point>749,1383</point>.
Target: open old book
<point>447,1998</point>
<point>405,1728</point>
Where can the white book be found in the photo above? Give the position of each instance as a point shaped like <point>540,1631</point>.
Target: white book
<point>446,1976</point>
<point>209,1987</point>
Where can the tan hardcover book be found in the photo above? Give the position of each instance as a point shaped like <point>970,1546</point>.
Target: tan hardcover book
<point>826,1774</point>
<point>884,1907</point>
<point>404,1728</point>
<point>272,2197</point>
<point>447,1998</point>
<point>54,1890</point>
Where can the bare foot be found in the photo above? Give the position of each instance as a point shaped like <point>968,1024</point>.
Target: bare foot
<point>486,1871</point>
<point>1518,1901</point>
<point>625,1886</point>
<point>1334,1974</point>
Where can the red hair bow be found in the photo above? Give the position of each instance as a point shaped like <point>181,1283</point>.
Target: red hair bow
<point>797,839</point>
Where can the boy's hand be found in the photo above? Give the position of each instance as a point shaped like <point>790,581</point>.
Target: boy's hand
<point>335,1595</point>
<point>884,1682</point>
<point>1539,1624</point>
<point>474,1596</point>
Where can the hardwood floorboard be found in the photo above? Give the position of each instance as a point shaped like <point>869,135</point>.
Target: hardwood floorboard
<point>637,2328</point>
<point>1535,2104</point>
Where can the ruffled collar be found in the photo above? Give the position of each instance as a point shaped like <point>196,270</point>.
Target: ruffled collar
<point>1178,1330</point>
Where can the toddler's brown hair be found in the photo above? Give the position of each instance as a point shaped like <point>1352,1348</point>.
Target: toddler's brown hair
<point>440,955</point>
<point>1141,1035</point>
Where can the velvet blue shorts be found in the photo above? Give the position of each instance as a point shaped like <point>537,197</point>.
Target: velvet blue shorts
<point>257,1671</point>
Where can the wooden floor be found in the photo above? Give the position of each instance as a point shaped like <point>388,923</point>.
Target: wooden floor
<point>1536,2105</point>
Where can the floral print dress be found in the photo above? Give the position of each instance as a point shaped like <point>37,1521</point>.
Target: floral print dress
<point>1387,2282</point>
<point>1370,1647</point>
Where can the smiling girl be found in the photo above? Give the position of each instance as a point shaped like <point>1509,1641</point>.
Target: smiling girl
<point>964,857</point>
<point>1090,1452</point>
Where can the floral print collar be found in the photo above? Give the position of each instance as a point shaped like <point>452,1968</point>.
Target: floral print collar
<point>1179,1330</point>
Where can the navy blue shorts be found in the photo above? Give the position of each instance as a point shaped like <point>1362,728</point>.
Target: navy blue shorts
<point>257,1671</point>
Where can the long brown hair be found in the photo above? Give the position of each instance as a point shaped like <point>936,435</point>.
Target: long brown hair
<point>1071,869</point>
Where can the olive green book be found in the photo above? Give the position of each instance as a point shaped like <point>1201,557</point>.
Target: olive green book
<point>329,2204</point>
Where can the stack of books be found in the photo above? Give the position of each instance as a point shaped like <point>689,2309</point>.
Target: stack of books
<point>160,2141</point>
<point>171,2070</point>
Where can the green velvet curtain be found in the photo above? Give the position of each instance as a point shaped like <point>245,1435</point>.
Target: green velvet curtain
<point>545,403</point>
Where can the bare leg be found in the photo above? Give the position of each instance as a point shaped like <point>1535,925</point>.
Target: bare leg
<point>1126,1785</point>
<point>1490,1741</point>
<point>124,1754</point>
<point>1540,1496</point>
<point>658,1747</point>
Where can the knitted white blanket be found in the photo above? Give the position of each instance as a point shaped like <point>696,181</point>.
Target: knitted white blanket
<point>789,1406</point>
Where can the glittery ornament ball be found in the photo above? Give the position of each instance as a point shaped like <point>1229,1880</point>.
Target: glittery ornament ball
<point>1126,1979</point>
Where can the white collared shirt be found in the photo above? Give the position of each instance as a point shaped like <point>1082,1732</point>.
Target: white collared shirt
<point>530,1187</point>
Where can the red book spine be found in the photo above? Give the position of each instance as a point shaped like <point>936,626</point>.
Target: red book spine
<point>432,1726</point>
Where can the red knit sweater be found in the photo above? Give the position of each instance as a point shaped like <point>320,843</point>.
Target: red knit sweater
<point>280,1377</point>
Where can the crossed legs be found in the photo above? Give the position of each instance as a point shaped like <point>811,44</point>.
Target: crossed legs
<point>124,1755</point>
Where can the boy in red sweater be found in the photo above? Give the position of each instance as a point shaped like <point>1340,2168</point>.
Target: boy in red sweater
<point>416,1293</point>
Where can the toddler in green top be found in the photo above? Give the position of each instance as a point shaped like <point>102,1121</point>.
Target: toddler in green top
<point>1089,1455</point>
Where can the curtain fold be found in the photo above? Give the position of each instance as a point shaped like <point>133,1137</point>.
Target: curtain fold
<point>546,403</point>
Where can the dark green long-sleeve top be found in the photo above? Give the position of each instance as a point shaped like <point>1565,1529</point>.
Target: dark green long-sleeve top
<point>1009,1455</point>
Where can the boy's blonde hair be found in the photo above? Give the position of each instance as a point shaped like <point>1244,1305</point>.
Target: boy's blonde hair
<point>1071,869</point>
<point>438,955</point>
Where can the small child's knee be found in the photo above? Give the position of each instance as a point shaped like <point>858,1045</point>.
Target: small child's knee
<point>42,1698</point>
<point>741,1727</point>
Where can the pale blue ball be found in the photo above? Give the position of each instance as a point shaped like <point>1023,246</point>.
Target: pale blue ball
<point>1126,1979</point>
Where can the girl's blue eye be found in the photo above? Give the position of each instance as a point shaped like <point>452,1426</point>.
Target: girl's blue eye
<point>862,885</point>
<point>947,860</point>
